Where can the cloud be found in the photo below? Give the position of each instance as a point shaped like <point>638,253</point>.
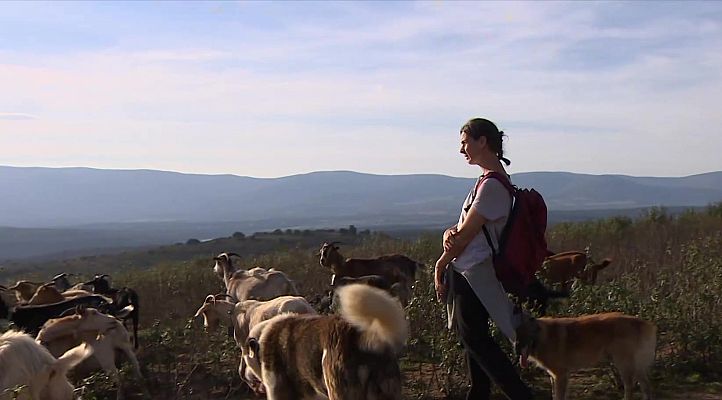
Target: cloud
<point>16,116</point>
<point>383,90</point>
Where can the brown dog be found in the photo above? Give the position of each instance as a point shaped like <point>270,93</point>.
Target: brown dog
<point>353,356</point>
<point>562,345</point>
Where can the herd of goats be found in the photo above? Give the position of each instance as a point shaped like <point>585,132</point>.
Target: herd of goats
<point>345,348</point>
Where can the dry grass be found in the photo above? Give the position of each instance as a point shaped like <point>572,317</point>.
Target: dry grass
<point>665,269</point>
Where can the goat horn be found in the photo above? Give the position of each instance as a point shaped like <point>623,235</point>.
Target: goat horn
<point>209,298</point>
<point>66,312</point>
<point>3,288</point>
<point>223,295</point>
<point>58,276</point>
<point>234,254</point>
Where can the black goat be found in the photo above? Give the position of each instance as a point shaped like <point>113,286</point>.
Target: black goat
<point>122,298</point>
<point>31,318</point>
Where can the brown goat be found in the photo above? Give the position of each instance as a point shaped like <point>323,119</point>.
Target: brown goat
<point>48,294</point>
<point>589,275</point>
<point>394,268</point>
<point>563,268</point>
<point>24,290</point>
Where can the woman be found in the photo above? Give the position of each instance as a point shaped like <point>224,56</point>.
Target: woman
<point>464,275</point>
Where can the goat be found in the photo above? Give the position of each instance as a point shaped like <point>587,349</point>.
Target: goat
<point>589,274</point>
<point>563,268</point>
<point>48,294</point>
<point>256,283</point>
<point>122,298</point>
<point>61,282</point>
<point>394,268</point>
<point>63,285</point>
<point>214,310</point>
<point>23,362</point>
<point>112,338</point>
<point>31,318</point>
<point>24,290</point>
<point>251,312</point>
<point>243,316</point>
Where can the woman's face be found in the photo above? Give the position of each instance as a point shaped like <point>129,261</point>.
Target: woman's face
<point>472,148</point>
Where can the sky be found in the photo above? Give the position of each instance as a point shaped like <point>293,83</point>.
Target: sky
<point>270,89</point>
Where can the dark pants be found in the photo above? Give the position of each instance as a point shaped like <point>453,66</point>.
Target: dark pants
<point>486,362</point>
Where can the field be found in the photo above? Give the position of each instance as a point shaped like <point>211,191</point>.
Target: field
<point>667,269</point>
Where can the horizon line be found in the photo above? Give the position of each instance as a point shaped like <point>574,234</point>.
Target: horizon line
<point>338,171</point>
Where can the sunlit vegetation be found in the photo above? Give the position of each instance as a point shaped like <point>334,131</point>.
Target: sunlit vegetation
<point>667,269</point>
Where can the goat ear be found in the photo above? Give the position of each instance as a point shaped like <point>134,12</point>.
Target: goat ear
<point>253,347</point>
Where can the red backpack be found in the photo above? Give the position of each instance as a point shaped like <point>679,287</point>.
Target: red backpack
<point>522,245</point>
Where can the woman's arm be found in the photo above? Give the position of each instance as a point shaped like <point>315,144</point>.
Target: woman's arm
<point>457,241</point>
<point>455,244</point>
<point>448,237</point>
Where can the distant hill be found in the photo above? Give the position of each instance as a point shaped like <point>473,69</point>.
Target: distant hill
<point>62,197</point>
<point>93,208</point>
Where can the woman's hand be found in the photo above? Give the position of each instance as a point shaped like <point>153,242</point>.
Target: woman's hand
<point>449,238</point>
<point>439,284</point>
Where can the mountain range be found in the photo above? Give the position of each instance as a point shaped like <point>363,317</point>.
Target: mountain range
<point>134,205</point>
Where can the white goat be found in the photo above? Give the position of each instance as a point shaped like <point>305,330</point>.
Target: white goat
<point>25,363</point>
<point>109,333</point>
<point>243,316</point>
<point>256,283</point>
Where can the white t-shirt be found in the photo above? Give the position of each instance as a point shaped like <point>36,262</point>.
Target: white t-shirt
<point>493,201</point>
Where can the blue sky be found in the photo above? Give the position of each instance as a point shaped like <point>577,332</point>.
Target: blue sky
<point>272,89</point>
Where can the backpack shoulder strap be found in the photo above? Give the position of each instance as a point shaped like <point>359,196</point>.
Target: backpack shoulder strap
<point>510,188</point>
<point>501,178</point>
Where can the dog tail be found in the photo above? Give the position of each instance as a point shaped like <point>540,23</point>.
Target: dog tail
<point>377,315</point>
